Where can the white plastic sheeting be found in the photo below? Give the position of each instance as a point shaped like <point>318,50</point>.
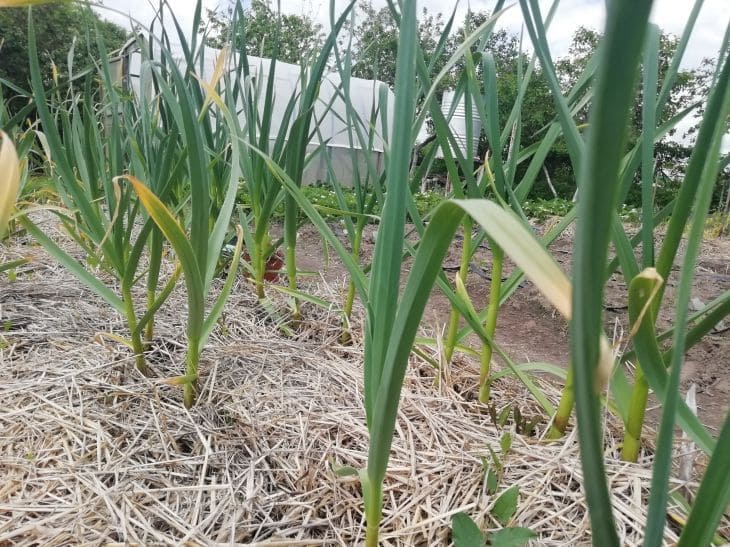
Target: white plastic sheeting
<point>457,124</point>
<point>372,103</point>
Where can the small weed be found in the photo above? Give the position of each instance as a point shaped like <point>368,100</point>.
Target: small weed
<point>717,225</point>
<point>325,200</point>
<point>524,425</point>
<point>542,209</point>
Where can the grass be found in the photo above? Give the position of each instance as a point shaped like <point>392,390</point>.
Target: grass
<point>329,202</point>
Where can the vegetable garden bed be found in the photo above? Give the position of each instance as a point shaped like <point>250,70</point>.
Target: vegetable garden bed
<point>93,452</point>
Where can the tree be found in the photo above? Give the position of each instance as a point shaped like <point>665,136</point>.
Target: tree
<point>375,42</point>
<point>537,106</point>
<point>673,151</point>
<point>58,27</point>
<point>704,75</point>
<point>264,32</point>
<point>721,197</point>
<point>685,90</point>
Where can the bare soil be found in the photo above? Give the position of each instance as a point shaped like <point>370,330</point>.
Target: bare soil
<point>532,331</point>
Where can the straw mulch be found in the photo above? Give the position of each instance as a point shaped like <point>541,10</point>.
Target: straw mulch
<point>93,453</point>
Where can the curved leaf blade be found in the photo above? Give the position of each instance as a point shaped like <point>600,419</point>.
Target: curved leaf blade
<point>465,532</point>
<point>174,233</point>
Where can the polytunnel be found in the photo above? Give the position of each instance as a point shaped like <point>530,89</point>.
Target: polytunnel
<point>346,137</point>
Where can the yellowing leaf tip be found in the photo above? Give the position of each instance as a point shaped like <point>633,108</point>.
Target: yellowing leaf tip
<point>9,180</point>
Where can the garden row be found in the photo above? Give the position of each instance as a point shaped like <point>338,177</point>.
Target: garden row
<point>137,177</point>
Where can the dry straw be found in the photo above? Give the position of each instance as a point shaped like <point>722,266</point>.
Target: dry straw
<point>93,452</point>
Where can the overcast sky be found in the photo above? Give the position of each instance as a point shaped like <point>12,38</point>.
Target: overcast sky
<point>671,15</point>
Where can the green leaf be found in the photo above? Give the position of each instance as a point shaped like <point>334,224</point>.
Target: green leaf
<point>505,443</point>
<point>506,505</point>
<point>220,302</point>
<point>650,70</point>
<point>719,101</point>
<point>712,498</point>
<point>641,290</point>
<point>174,233</point>
<point>492,481</point>
<point>619,55</point>
<point>299,136</point>
<point>537,32</point>
<point>158,301</point>
<point>465,532</point>
<point>345,470</point>
<point>504,415</point>
<point>384,285</point>
<point>425,269</point>
<point>306,297</point>
<point>73,266</point>
<point>520,244</point>
<point>496,460</point>
<point>524,249</point>
<point>511,537</point>
<point>12,264</point>
<point>712,124</point>
<point>353,269</point>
